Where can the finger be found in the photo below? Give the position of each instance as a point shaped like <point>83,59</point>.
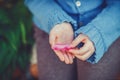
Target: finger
<point>74,51</point>
<point>78,40</point>
<point>73,56</point>
<point>78,52</point>
<point>88,45</point>
<point>85,56</point>
<point>66,58</point>
<point>52,39</point>
<point>83,49</point>
<point>70,58</point>
<point>60,55</point>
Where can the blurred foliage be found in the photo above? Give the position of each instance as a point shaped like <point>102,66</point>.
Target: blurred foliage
<point>15,37</point>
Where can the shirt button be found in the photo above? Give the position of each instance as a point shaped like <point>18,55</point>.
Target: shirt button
<point>78,3</point>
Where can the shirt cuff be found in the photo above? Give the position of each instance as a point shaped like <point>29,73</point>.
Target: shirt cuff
<point>60,17</point>
<point>55,18</point>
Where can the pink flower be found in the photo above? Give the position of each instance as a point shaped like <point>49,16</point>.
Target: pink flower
<point>61,47</point>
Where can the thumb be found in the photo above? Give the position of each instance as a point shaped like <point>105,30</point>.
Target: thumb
<point>52,39</point>
<point>77,40</point>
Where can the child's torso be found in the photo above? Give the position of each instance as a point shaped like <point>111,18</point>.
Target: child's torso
<point>82,10</point>
<point>79,6</point>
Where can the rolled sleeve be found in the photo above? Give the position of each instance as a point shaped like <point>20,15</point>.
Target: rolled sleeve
<point>97,39</point>
<point>47,13</point>
<point>103,30</point>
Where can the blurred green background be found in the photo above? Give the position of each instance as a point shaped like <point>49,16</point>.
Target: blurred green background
<point>16,39</point>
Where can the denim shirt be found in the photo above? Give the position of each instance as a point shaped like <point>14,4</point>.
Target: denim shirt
<point>98,19</point>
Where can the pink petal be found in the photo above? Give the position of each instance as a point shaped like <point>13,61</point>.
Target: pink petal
<point>61,47</point>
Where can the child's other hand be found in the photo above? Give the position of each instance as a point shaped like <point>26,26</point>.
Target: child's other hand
<point>62,34</point>
<point>86,50</point>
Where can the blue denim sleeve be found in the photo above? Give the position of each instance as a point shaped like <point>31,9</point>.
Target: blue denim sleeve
<point>47,13</point>
<point>103,30</point>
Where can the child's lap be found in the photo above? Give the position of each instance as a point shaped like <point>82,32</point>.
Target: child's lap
<point>51,68</point>
<point>108,68</point>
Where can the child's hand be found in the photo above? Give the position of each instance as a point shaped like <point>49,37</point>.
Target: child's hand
<point>62,34</point>
<point>86,50</point>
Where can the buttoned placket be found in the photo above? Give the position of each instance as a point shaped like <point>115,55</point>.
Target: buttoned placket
<point>78,4</point>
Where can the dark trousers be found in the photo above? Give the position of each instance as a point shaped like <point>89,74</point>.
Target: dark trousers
<point>51,68</point>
